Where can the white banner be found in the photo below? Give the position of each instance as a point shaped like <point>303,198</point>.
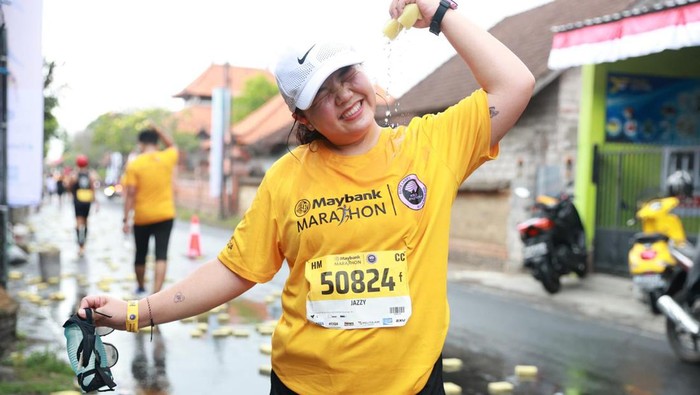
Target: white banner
<point>25,102</point>
<point>220,120</point>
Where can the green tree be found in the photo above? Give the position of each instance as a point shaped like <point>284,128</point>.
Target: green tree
<point>118,132</point>
<point>186,142</point>
<point>256,92</point>
<point>51,127</point>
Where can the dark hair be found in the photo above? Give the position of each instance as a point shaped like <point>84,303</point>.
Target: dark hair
<point>305,135</point>
<point>148,136</point>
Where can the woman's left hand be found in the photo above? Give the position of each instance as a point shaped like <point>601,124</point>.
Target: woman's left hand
<point>108,311</point>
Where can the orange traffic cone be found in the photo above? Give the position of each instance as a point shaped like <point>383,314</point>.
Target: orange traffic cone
<point>195,250</point>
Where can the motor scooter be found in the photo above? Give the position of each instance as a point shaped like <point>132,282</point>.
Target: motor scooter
<point>681,306</point>
<point>658,248</point>
<point>554,241</point>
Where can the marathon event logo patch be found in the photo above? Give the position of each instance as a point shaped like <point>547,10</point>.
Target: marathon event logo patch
<point>412,192</point>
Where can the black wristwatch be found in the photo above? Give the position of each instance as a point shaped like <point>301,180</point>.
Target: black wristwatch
<point>439,14</point>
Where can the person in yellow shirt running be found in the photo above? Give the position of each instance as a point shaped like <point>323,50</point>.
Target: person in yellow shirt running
<point>360,214</point>
<point>148,182</point>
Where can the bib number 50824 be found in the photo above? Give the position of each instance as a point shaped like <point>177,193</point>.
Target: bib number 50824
<point>356,281</point>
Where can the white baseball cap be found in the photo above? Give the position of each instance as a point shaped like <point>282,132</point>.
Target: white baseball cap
<point>300,73</point>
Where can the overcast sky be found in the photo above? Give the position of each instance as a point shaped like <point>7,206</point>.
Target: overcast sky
<point>128,54</point>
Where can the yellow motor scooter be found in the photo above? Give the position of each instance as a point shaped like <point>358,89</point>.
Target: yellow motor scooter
<point>659,249</point>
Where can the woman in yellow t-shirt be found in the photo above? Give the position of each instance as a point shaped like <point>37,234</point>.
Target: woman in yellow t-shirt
<point>149,207</point>
<point>360,213</point>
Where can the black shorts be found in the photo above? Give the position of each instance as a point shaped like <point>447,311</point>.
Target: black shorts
<point>82,209</point>
<point>142,235</point>
<point>434,386</point>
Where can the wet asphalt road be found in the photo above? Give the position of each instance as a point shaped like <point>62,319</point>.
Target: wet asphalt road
<point>492,334</point>
<point>175,362</point>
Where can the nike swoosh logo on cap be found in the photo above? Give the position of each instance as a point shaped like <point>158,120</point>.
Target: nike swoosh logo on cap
<point>303,58</point>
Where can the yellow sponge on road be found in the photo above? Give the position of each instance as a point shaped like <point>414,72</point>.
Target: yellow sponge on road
<point>450,365</point>
<point>500,388</point>
<point>265,370</point>
<point>452,389</point>
<point>15,275</point>
<point>526,371</point>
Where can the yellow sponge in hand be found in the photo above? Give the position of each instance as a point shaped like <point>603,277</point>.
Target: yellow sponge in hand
<point>406,20</point>
<point>392,29</point>
<point>409,16</point>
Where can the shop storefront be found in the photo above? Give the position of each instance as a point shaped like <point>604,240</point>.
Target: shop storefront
<point>639,118</point>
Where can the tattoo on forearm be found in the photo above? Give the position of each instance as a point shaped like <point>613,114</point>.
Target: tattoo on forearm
<point>179,297</point>
<point>493,112</point>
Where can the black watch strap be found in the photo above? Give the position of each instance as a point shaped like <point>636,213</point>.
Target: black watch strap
<point>439,14</point>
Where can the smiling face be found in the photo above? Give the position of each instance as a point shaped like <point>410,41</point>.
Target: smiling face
<point>343,109</point>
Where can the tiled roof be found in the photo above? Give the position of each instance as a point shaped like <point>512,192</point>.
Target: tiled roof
<point>193,118</point>
<point>273,117</point>
<point>639,8</point>
<point>528,34</point>
<point>215,76</point>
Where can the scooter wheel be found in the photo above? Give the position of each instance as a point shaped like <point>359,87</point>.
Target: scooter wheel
<point>652,296</point>
<point>549,279</point>
<point>683,344</point>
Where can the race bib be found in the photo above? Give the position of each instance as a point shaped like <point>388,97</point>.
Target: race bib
<point>84,195</point>
<point>358,290</point>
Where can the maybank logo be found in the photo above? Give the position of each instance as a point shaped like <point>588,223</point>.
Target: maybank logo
<point>342,200</point>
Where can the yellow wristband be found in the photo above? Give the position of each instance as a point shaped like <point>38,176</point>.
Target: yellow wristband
<point>132,316</point>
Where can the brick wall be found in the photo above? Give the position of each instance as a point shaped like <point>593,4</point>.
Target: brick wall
<point>478,233</point>
<point>193,194</point>
<point>545,135</point>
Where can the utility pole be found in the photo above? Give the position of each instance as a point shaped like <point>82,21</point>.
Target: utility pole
<point>225,147</point>
<point>220,127</point>
<point>4,211</point>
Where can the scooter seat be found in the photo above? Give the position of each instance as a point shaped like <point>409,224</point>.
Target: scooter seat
<point>645,238</point>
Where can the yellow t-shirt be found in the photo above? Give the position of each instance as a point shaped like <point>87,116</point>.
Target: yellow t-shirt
<point>363,232</point>
<point>152,175</point>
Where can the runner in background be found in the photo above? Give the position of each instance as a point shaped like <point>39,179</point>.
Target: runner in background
<point>148,185</point>
<point>49,186</point>
<point>82,185</point>
<point>60,185</point>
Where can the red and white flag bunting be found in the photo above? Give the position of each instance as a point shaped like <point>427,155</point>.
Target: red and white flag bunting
<point>628,37</point>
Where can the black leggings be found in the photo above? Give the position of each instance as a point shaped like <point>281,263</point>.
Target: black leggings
<point>434,386</point>
<point>142,235</point>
